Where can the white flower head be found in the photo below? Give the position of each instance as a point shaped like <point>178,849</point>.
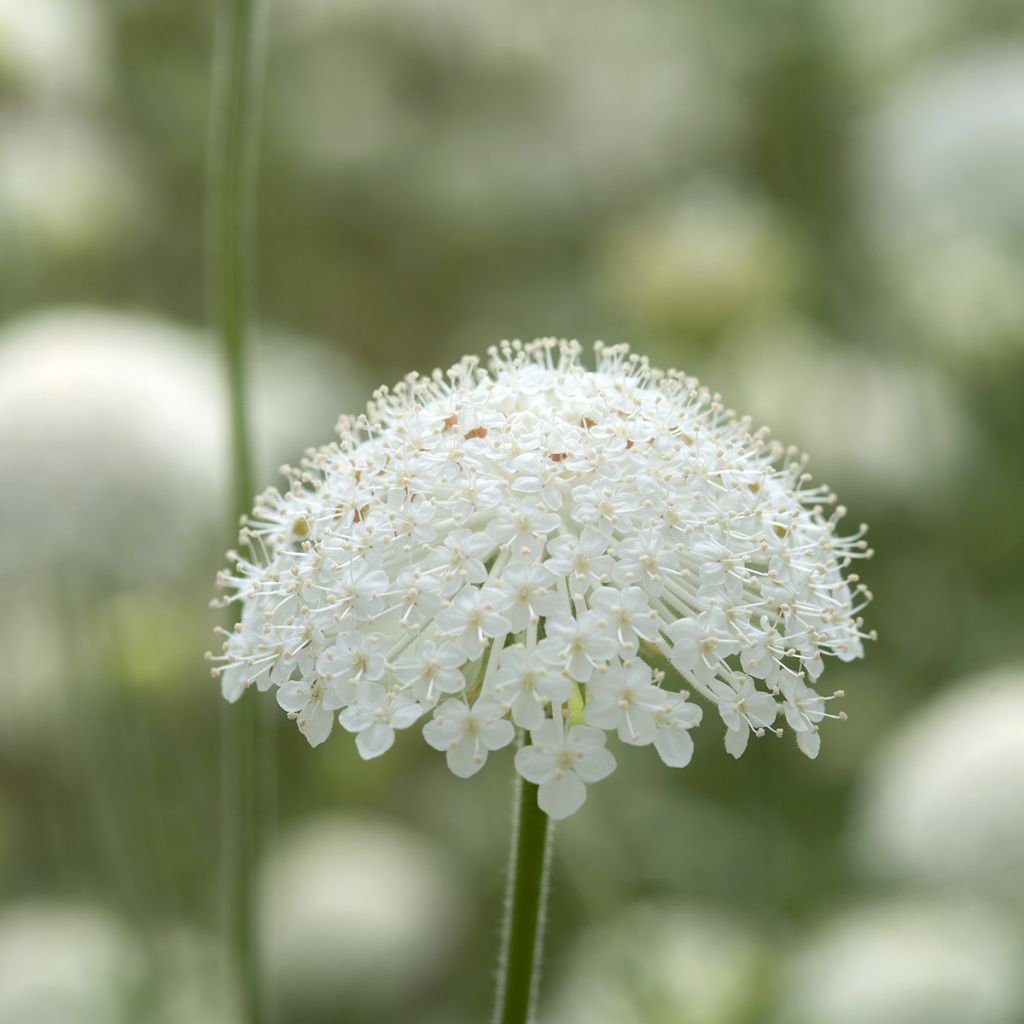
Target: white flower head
<point>904,961</point>
<point>532,545</point>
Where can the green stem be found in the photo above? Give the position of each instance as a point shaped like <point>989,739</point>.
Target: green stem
<point>246,743</point>
<point>523,934</point>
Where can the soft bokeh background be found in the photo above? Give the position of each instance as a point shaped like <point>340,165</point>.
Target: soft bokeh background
<point>816,207</point>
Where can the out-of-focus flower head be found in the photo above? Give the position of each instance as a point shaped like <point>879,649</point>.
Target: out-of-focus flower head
<point>941,803</point>
<point>113,441</point>
<point>67,185</point>
<point>113,464</point>
<point>356,913</point>
<point>877,40</point>
<point>906,963</point>
<point>662,965</point>
<point>66,963</point>
<point>700,262</point>
<point>940,170</point>
<point>522,546</point>
<point>500,107</point>
<point>883,425</point>
<point>54,49</point>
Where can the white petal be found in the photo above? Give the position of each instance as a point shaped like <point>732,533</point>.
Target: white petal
<point>355,719</point>
<point>674,746</point>
<point>375,740</point>
<point>534,765</point>
<point>762,709</point>
<point>548,735</point>
<point>561,796</point>
<point>809,742</point>
<point>795,718</point>
<point>315,723</point>
<point>466,758</point>
<point>603,711</point>
<point>526,711</point>
<point>440,734</point>
<point>294,696</point>
<point>232,683</point>
<point>736,739</point>
<point>404,715</point>
<point>595,765</point>
<point>497,734</point>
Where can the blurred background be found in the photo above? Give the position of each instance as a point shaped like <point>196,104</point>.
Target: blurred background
<point>814,206</point>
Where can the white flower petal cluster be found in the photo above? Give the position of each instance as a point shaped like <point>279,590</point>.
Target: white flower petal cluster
<point>530,547</point>
<point>906,960</point>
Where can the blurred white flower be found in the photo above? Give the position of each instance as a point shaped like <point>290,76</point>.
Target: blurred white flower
<point>506,105</point>
<point>625,516</point>
<point>942,801</point>
<point>940,166</point>
<point>701,260</point>
<point>67,185</point>
<point>875,422</point>
<point>356,913</point>
<point>113,463</point>
<point>54,48</point>
<point>113,441</point>
<point>660,965</point>
<point>61,963</point>
<point>906,963</point>
<point>877,40</point>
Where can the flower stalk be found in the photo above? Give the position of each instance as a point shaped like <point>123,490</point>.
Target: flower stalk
<point>519,969</point>
<point>237,70</point>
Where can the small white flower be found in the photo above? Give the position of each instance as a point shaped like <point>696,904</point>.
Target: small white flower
<point>460,558</point>
<point>743,709</point>
<point>531,594</point>
<point>431,671</point>
<point>701,644</point>
<point>629,615</point>
<point>419,595</point>
<point>625,698</point>
<point>523,527</point>
<point>643,560</point>
<point>805,710</point>
<point>353,659</point>
<point>577,645</point>
<point>467,734</point>
<point>602,508</point>
<point>304,701</point>
<point>358,588</point>
<point>528,687</point>
<point>673,720</point>
<point>376,715</point>
<point>473,618</point>
<point>582,560</point>
<point>561,763</point>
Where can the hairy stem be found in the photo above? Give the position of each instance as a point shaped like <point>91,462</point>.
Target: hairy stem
<point>246,795</point>
<point>523,934</point>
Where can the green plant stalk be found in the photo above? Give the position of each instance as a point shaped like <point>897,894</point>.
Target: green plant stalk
<point>525,907</point>
<point>246,747</point>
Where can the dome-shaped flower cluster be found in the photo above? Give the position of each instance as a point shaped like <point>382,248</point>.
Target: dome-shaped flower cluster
<point>523,547</point>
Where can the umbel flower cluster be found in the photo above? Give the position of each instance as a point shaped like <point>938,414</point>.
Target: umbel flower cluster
<point>542,547</point>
